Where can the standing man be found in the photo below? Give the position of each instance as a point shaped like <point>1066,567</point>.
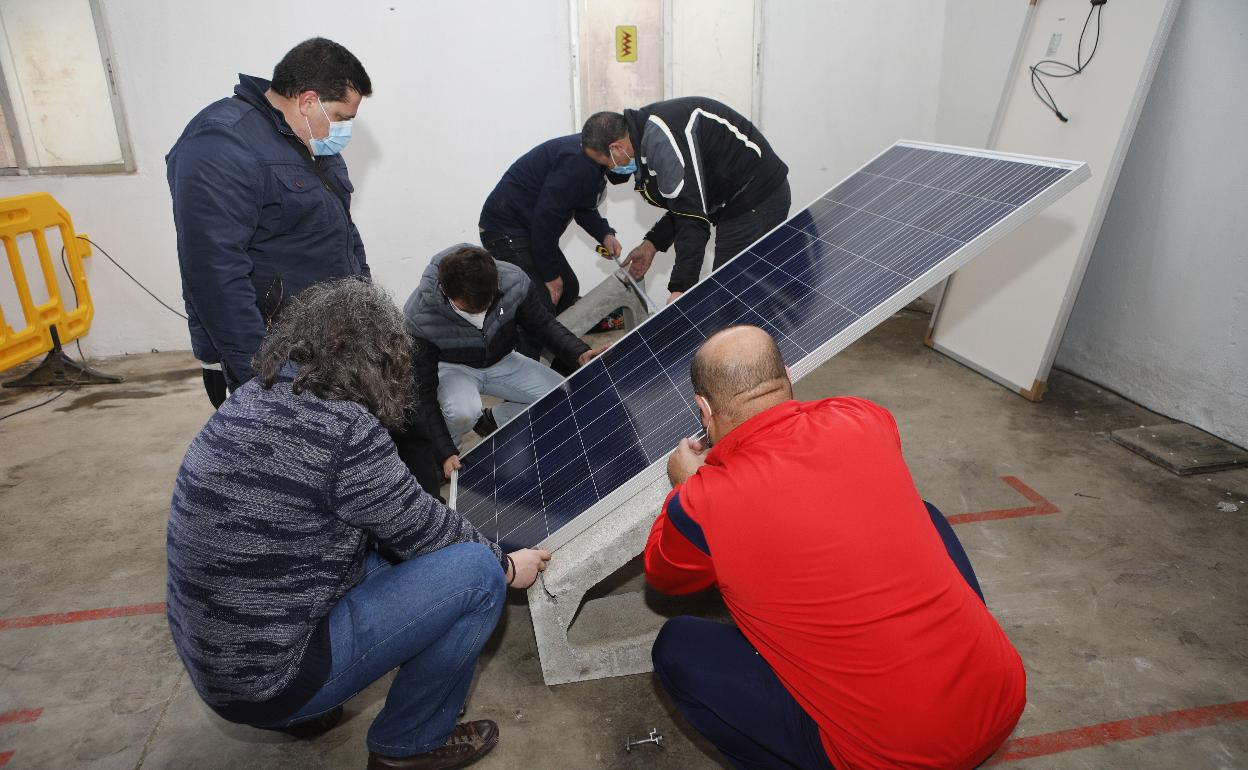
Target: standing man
<point>705,164</point>
<point>262,203</point>
<point>528,211</point>
<point>465,315</point>
<point>861,638</point>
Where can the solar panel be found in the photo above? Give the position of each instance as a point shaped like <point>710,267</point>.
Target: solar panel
<point>819,281</point>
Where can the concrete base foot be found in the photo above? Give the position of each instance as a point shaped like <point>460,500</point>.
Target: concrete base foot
<point>612,292</point>
<point>614,634</point>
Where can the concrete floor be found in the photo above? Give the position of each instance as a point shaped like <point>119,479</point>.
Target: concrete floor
<point>1129,601</point>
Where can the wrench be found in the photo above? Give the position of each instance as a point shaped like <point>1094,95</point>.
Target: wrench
<point>651,308</point>
<point>655,737</point>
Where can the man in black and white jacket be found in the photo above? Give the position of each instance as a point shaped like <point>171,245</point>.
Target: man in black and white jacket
<point>704,163</point>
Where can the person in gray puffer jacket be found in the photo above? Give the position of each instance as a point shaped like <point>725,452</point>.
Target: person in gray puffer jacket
<point>464,317</point>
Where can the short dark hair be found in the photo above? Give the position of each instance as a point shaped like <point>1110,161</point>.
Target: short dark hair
<point>724,378</point>
<point>351,343</point>
<point>601,130</point>
<point>470,277</point>
<point>323,66</point>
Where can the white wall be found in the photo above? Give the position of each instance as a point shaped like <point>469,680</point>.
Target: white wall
<point>1162,315</point>
<point>843,80</point>
<point>460,90</point>
<point>980,37</point>
<point>712,50</point>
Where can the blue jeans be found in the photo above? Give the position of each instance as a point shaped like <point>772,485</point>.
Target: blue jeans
<point>725,689</point>
<point>516,379</point>
<point>429,617</point>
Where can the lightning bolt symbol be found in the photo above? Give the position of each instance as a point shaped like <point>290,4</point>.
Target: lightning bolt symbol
<point>627,44</point>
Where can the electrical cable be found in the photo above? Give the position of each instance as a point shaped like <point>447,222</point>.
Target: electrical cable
<point>131,277</point>
<point>1038,73</point>
<point>67,388</point>
<point>72,285</point>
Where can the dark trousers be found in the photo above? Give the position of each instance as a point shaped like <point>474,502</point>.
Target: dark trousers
<point>417,453</point>
<point>214,386</point>
<point>725,689</point>
<point>515,249</point>
<point>733,236</point>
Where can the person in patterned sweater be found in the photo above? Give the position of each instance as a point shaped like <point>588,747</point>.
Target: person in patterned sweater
<point>305,562</point>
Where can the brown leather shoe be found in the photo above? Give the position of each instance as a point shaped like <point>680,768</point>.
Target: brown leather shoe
<point>469,742</point>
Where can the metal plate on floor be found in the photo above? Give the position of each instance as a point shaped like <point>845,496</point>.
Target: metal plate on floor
<point>1181,448</point>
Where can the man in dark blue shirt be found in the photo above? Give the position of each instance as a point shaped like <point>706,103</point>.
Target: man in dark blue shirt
<point>262,202</point>
<point>530,207</point>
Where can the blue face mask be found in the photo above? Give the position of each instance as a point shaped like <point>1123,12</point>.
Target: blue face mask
<point>336,141</point>
<point>627,168</point>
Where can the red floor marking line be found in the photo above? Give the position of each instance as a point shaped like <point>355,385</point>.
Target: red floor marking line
<point>81,616</point>
<point>1039,506</point>
<point>1122,730</point>
<point>16,717</point>
<point>19,717</point>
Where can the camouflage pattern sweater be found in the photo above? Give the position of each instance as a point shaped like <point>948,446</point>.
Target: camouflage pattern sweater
<point>275,504</point>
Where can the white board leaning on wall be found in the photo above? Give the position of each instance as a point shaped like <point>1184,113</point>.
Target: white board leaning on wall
<point>1003,315</point>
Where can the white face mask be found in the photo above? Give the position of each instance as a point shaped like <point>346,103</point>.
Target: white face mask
<point>476,319</point>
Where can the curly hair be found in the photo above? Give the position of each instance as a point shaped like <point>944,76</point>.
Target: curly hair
<point>351,344</point>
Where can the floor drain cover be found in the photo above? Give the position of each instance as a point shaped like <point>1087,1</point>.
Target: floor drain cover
<point>1182,449</point>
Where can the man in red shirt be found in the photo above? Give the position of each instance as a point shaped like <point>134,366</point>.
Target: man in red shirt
<point>862,639</point>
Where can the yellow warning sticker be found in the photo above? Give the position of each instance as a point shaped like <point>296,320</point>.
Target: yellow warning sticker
<point>626,43</point>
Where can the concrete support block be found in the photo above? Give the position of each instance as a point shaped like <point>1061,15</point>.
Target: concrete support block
<point>613,291</point>
<point>613,638</point>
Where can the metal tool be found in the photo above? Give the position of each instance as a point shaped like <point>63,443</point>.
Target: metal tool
<point>651,308</point>
<point>655,737</point>
<point>454,493</point>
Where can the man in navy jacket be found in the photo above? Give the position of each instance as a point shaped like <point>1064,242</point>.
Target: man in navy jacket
<point>529,209</point>
<point>262,202</point>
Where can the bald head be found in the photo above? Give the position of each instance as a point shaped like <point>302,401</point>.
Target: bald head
<point>740,372</point>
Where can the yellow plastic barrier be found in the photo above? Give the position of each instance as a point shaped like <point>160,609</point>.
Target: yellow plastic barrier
<point>34,214</point>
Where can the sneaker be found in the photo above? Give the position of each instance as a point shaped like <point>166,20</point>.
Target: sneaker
<point>469,742</point>
<point>485,423</point>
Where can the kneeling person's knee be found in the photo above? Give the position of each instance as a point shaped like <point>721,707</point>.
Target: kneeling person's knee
<point>460,410</point>
<point>673,648</point>
<point>480,561</point>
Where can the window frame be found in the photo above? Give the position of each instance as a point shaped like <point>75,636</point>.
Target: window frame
<point>127,165</point>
